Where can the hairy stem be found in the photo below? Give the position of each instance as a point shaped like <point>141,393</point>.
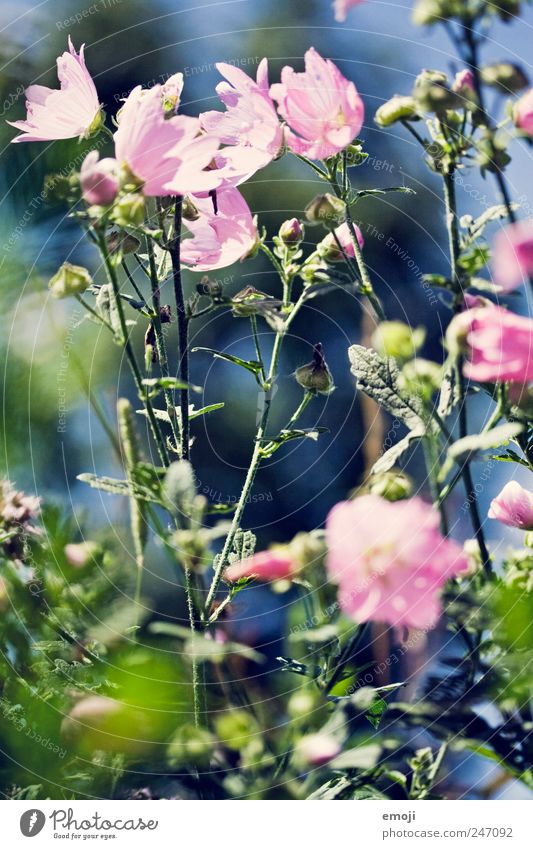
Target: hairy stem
<point>183,329</point>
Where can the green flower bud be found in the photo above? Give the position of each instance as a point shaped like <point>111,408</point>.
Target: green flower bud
<point>301,704</point>
<point>251,301</point>
<point>70,280</point>
<point>421,377</point>
<point>398,340</point>
<point>129,210</point>
<point>236,730</point>
<point>432,93</point>
<point>492,155</point>
<point>315,376</point>
<point>393,485</point>
<point>209,288</point>
<point>398,108</point>
<point>325,209</point>
<point>122,242</point>
<point>188,210</point>
<point>291,232</point>
<point>505,76</point>
<point>427,12</point>
<point>191,746</point>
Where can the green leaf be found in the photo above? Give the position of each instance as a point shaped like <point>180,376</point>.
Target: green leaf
<point>159,383</point>
<point>120,487</point>
<point>393,454</point>
<point>437,280</point>
<point>465,448</point>
<point>476,226</point>
<point>250,365</point>
<point>449,395</point>
<point>179,487</point>
<point>510,457</point>
<point>363,193</point>
<point>378,378</point>
<point>194,413</point>
<point>474,259</point>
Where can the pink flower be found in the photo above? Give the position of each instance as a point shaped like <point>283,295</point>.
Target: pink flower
<point>390,560</point>
<point>523,113</point>
<point>498,344</point>
<point>272,565</point>
<point>322,108</point>
<point>512,256</point>
<point>99,179</point>
<point>513,507</point>
<point>72,111</point>
<point>464,82</point>
<point>342,7</point>
<point>329,246</point>
<point>166,155</point>
<point>221,238</point>
<point>317,749</point>
<point>250,120</point>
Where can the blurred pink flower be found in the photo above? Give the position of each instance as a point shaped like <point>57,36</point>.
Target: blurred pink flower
<point>317,749</point>
<point>322,108</point>
<point>99,179</point>
<point>272,565</point>
<point>463,81</point>
<point>250,120</point>
<point>71,111</point>
<point>512,255</point>
<point>329,246</point>
<point>498,344</point>
<point>523,112</point>
<point>342,7</point>
<point>513,507</point>
<point>167,155</point>
<point>390,560</point>
<point>222,238</point>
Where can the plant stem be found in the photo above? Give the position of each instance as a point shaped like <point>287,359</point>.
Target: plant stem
<point>194,662</point>
<point>454,243</point>
<point>183,322</point>
<point>128,350</point>
<point>161,347</point>
<point>253,322</point>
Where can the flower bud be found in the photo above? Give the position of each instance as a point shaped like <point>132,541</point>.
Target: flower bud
<point>209,288</point>
<point>315,376</point>
<point>188,210</point>
<point>398,108</point>
<point>505,76</point>
<point>191,746</point>
<point>316,750</point>
<point>325,209</point>
<point>251,301</point>
<point>236,730</point>
<point>122,242</point>
<point>301,704</point>
<point>70,280</point>
<point>421,377</point>
<point>171,94</point>
<point>398,340</point>
<point>393,485</point>
<point>427,12</point>
<point>335,246</point>
<point>291,232</point>
<point>99,179</point>
<point>80,554</point>
<point>432,94</point>
<point>492,155</point>
<point>523,113</point>
<point>129,210</point>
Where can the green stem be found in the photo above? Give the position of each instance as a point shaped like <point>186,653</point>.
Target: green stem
<point>253,322</point>
<point>161,347</point>
<point>194,662</point>
<point>183,329</point>
<point>128,350</point>
<point>454,243</point>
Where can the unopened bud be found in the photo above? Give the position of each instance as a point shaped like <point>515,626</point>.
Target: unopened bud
<point>129,210</point>
<point>188,210</point>
<point>122,242</point>
<point>393,485</point>
<point>291,232</point>
<point>236,730</point>
<point>432,93</point>
<point>316,749</point>
<point>398,108</point>
<point>315,376</point>
<point>209,288</point>
<point>301,704</point>
<point>421,377</point>
<point>505,76</point>
<point>398,340</point>
<point>325,209</point>
<point>80,554</point>
<point>70,280</point>
<point>171,94</point>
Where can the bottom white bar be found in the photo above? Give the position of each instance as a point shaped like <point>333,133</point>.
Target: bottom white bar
<point>232,825</point>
